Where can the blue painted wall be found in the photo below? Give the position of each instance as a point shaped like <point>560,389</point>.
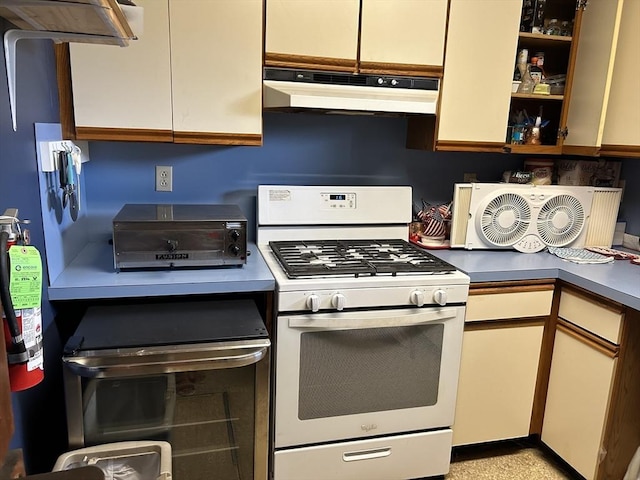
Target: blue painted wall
<point>38,412</point>
<point>306,149</point>
<point>298,149</point>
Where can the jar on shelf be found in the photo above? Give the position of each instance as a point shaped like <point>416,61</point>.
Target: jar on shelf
<point>566,29</point>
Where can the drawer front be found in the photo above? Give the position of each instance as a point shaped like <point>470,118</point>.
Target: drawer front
<point>604,321</point>
<point>403,456</point>
<point>494,306</point>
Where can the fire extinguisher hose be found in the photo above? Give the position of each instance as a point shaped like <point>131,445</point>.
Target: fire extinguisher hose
<point>18,352</point>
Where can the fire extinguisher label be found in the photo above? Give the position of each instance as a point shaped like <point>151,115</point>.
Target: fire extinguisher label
<point>25,283</point>
<point>32,334</point>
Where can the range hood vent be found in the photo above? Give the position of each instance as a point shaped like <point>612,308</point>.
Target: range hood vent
<point>335,92</point>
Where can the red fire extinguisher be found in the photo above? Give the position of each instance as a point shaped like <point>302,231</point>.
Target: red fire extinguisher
<point>23,326</point>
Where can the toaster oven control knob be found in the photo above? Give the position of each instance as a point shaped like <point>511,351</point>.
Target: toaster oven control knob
<point>338,301</point>
<point>440,297</point>
<point>234,250</point>
<point>235,235</point>
<point>417,298</point>
<point>313,302</point>
<point>172,245</point>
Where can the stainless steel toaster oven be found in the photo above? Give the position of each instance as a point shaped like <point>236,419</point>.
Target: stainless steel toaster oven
<point>174,236</point>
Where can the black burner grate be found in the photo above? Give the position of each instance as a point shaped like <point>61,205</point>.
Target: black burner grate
<point>355,258</point>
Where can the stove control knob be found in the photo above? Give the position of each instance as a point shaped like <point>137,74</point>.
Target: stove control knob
<point>338,301</point>
<point>440,297</point>
<point>313,302</point>
<point>417,298</point>
<point>235,235</point>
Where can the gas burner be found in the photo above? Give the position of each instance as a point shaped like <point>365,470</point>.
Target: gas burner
<point>356,258</point>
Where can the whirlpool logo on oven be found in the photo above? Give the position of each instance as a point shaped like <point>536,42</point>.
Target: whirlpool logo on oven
<point>367,427</point>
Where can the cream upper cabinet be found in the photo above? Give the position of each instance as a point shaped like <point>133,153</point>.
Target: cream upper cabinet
<point>393,36</point>
<point>478,71</point>
<point>621,134</point>
<point>592,75</point>
<point>409,32</point>
<point>194,76</point>
<point>312,33</point>
<point>125,87</point>
<point>216,71</point>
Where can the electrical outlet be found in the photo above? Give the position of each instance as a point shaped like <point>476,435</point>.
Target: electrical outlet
<point>164,179</point>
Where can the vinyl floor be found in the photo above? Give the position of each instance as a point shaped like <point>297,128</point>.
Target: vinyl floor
<point>511,462</point>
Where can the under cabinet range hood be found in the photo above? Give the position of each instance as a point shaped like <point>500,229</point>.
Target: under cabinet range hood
<point>290,89</point>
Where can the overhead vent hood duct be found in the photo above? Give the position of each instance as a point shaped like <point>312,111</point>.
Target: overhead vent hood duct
<point>290,89</point>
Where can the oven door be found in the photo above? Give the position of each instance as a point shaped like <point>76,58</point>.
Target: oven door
<point>360,374</point>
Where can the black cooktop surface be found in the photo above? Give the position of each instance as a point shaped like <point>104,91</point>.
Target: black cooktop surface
<point>355,258</point>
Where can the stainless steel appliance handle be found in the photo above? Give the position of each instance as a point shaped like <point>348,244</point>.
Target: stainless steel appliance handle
<point>348,321</point>
<point>167,359</point>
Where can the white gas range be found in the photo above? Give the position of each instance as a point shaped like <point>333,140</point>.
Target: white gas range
<point>367,338</point>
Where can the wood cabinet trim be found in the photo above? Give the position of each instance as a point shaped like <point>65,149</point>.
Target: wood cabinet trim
<point>588,338</point>
<point>201,138</point>
<point>463,146</point>
<point>620,151</point>
<point>544,367</point>
<point>123,134</point>
<point>582,151</point>
<point>622,431</point>
<point>432,71</point>
<point>65,94</point>
<point>489,289</point>
<point>281,60</point>
<point>504,323</point>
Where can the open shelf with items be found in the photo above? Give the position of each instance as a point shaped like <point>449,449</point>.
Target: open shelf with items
<point>543,67</point>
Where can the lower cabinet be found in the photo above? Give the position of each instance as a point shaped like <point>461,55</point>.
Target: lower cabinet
<point>577,400</point>
<point>497,382</point>
<point>501,347</point>
<point>591,416</point>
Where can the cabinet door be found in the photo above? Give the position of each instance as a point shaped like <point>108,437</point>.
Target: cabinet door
<point>621,134</point>
<point>592,74</point>
<point>125,88</point>
<point>577,401</point>
<point>216,71</point>
<point>497,383</point>
<point>405,36</point>
<point>478,71</point>
<point>312,34</point>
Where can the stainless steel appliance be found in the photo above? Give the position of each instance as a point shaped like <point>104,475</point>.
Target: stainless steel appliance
<point>195,374</point>
<point>173,236</point>
<point>368,336</point>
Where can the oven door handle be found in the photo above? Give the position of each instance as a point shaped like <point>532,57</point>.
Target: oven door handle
<point>169,359</point>
<point>401,318</point>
